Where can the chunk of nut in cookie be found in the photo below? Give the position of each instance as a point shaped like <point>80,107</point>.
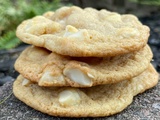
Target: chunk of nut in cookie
<point>48,78</point>
<point>72,32</point>
<point>26,82</point>
<point>78,76</point>
<point>69,97</point>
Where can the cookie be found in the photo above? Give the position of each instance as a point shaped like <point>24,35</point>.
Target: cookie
<point>85,32</point>
<point>48,14</point>
<point>51,69</point>
<point>98,101</point>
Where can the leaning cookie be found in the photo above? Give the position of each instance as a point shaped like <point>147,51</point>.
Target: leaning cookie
<point>96,101</point>
<point>50,69</point>
<point>85,32</point>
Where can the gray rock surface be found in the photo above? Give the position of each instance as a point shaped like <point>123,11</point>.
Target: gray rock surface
<point>145,106</point>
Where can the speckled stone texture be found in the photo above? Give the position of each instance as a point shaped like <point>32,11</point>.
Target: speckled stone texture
<point>145,106</point>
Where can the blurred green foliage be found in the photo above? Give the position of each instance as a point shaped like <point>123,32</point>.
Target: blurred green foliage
<point>147,2</point>
<point>13,12</point>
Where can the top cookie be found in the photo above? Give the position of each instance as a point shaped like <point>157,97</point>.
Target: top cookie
<point>87,32</point>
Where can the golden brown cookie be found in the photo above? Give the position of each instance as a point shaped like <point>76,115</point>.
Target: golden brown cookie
<point>48,14</point>
<point>85,32</point>
<point>96,101</point>
<point>50,69</point>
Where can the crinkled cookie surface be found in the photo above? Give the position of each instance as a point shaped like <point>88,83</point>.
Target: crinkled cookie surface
<point>51,69</point>
<point>85,32</point>
<point>96,101</point>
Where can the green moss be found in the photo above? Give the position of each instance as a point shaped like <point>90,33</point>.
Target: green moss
<point>9,40</point>
<point>13,12</point>
<point>147,2</point>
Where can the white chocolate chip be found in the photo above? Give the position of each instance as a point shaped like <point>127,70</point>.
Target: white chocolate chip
<point>47,77</point>
<point>78,34</point>
<point>78,76</point>
<point>70,29</point>
<point>69,98</point>
<point>72,32</point>
<point>90,75</point>
<point>26,82</point>
<point>62,22</point>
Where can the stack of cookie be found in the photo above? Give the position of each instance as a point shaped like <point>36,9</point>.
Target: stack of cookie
<point>83,62</point>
